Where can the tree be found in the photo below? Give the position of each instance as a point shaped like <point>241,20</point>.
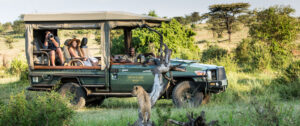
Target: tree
<point>271,38</point>
<point>19,26</point>
<point>179,38</point>
<point>7,26</point>
<point>152,13</point>
<point>195,17</point>
<point>277,29</point>
<point>216,26</point>
<point>180,19</point>
<point>192,18</point>
<point>1,28</point>
<point>227,14</point>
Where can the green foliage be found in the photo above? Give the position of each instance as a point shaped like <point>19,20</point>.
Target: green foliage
<point>292,72</point>
<point>213,52</point>
<point>9,40</point>
<point>7,26</point>
<point>277,30</point>
<point>163,116</point>
<point>178,38</point>
<point>18,27</point>
<point>224,16</point>
<point>194,17</point>
<point>46,109</point>
<point>267,113</point>
<point>216,26</point>
<point>152,13</point>
<point>288,83</point>
<point>19,67</point>
<point>253,55</point>
<point>1,28</point>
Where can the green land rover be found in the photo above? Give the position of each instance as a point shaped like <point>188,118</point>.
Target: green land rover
<point>92,84</point>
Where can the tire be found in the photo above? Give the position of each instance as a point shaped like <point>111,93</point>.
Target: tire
<point>75,93</point>
<point>96,101</point>
<point>182,95</point>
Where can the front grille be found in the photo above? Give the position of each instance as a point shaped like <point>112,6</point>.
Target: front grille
<point>221,73</point>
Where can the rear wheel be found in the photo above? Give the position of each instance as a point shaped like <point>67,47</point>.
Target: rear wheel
<point>183,95</point>
<point>75,93</point>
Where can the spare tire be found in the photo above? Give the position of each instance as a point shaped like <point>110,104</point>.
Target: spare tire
<point>183,95</point>
<point>75,93</point>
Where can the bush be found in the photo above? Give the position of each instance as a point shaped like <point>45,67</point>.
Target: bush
<point>267,113</point>
<point>253,55</point>
<point>19,67</point>
<point>47,109</point>
<point>212,53</point>
<point>179,38</point>
<point>9,40</point>
<point>292,72</point>
<point>288,84</point>
<point>277,29</point>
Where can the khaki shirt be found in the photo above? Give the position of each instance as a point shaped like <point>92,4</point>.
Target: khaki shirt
<point>132,59</point>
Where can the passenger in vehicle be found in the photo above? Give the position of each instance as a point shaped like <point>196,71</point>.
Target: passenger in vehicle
<point>75,52</point>
<point>132,57</point>
<point>53,43</point>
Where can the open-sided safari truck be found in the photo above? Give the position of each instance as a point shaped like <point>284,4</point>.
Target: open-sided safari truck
<point>92,84</point>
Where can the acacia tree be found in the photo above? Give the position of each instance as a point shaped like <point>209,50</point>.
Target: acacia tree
<point>227,14</point>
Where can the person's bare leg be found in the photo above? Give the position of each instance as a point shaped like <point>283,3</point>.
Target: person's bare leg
<point>52,57</point>
<point>60,55</point>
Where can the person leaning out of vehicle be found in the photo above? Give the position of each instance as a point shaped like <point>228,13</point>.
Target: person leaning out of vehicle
<point>53,43</point>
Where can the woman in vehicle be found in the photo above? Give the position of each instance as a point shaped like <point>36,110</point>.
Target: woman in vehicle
<point>75,52</point>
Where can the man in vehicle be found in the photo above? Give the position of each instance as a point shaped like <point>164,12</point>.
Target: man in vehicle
<point>53,43</point>
<point>131,57</point>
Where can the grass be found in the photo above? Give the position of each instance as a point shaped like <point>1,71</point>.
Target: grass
<point>232,107</point>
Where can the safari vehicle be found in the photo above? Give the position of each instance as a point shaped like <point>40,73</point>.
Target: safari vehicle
<point>92,84</point>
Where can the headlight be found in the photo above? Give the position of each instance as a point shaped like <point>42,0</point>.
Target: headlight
<point>201,73</point>
<point>208,75</point>
<point>35,79</point>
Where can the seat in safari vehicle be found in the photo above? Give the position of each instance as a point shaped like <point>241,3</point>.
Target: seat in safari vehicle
<point>69,61</point>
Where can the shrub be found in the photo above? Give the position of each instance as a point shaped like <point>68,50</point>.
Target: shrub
<point>179,38</point>
<point>267,113</point>
<point>253,55</point>
<point>9,40</point>
<point>277,29</point>
<point>213,52</point>
<point>288,84</point>
<point>292,72</point>
<point>47,109</point>
<point>19,67</point>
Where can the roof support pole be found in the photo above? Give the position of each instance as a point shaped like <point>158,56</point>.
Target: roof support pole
<point>105,45</point>
<point>127,39</point>
<point>28,45</point>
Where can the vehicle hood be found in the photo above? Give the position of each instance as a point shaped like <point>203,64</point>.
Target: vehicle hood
<point>191,65</point>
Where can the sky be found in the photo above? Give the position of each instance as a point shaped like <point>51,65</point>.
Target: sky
<point>10,10</point>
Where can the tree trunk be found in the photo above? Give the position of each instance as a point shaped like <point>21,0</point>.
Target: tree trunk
<point>229,36</point>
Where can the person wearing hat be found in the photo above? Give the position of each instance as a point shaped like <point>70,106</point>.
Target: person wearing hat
<point>75,52</point>
<point>52,42</point>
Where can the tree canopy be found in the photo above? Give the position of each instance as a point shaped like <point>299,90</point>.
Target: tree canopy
<point>226,15</point>
<point>179,38</point>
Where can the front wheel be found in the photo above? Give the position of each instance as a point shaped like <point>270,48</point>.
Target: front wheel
<point>184,96</point>
<point>75,93</point>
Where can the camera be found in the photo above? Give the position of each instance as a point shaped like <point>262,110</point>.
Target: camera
<point>50,35</point>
